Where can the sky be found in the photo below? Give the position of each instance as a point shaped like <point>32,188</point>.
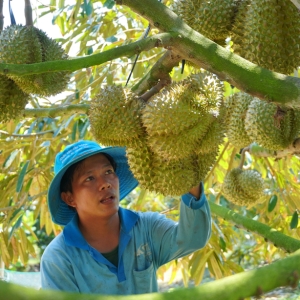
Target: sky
<point>44,23</point>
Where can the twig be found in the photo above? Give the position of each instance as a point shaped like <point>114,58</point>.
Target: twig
<point>26,135</point>
<point>28,13</point>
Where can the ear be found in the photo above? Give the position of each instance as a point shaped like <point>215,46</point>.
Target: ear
<point>68,198</point>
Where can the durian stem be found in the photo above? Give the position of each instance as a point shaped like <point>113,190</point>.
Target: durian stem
<point>160,71</point>
<point>56,111</point>
<point>259,151</point>
<point>155,89</point>
<point>279,239</point>
<point>1,16</point>
<point>243,155</point>
<point>28,13</point>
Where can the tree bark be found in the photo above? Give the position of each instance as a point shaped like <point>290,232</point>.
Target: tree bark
<point>284,272</point>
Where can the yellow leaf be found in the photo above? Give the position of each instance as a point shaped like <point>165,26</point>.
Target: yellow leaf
<point>23,239</point>
<point>215,267</point>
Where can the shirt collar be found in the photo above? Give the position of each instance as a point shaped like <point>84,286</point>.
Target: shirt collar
<point>73,236</point>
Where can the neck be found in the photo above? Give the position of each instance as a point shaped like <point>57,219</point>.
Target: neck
<point>102,234</point>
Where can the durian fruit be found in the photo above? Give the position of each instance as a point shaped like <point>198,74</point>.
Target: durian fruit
<point>212,18</point>
<point>179,117</point>
<point>243,187</point>
<point>12,99</point>
<point>140,158</point>
<point>271,126</point>
<point>114,116</point>
<point>26,45</point>
<point>236,109</point>
<point>270,35</point>
<point>214,135</point>
<point>167,177</point>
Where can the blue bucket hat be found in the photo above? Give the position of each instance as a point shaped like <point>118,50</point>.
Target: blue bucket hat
<point>59,210</point>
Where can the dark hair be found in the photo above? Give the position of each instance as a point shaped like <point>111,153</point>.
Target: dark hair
<point>67,179</point>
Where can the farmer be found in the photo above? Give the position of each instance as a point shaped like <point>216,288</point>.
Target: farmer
<point>104,248</point>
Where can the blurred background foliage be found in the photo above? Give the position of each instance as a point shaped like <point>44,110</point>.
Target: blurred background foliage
<point>28,146</point>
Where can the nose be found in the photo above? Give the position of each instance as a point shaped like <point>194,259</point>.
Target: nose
<point>104,184</point>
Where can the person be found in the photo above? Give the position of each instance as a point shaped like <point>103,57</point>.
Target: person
<point>104,248</point>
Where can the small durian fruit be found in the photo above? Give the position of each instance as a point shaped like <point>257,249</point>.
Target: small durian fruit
<point>213,19</point>
<point>114,116</point>
<point>26,45</point>
<point>236,109</point>
<point>243,187</point>
<point>271,35</point>
<point>12,99</point>
<point>271,126</point>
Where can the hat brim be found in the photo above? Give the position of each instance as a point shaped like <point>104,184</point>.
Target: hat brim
<point>61,213</point>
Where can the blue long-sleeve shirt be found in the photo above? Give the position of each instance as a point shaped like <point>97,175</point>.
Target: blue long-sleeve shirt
<point>147,241</point>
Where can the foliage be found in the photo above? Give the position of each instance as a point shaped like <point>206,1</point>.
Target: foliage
<point>28,146</point>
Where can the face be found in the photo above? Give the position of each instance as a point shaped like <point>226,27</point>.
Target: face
<point>95,188</point>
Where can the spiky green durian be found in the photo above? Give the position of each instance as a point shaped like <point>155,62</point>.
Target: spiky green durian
<point>205,162</point>
<point>174,177</point>
<point>243,187</point>
<point>114,116</point>
<point>270,36</point>
<point>140,158</point>
<point>271,126</point>
<point>12,99</point>
<point>27,45</point>
<point>213,19</point>
<point>214,135</point>
<point>177,118</point>
<point>236,109</point>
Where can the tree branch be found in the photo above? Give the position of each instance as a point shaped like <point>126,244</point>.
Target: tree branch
<point>279,239</point>
<point>52,112</point>
<point>284,272</point>
<point>193,46</point>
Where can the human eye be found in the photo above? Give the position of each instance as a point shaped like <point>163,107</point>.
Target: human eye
<point>110,171</point>
<point>89,178</point>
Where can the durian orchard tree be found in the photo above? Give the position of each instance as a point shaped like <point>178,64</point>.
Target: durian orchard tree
<point>234,105</point>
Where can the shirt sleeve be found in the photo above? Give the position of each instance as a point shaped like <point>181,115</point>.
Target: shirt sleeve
<point>171,240</point>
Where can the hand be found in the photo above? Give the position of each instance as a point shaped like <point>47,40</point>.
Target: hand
<point>196,191</point>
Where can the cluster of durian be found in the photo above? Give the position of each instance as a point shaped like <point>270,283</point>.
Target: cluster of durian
<point>249,119</point>
<point>267,33</point>
<point>243,187</point>
<point>172,140</point>
<point>27,45</point>
<point>213,19</point>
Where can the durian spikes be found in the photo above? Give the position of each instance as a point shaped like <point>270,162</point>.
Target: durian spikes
<point>12,99</point>
<point>26,45</point>
<point>178,118</point>
<point>267,33</point>
<point>115,116</point>
<point>211,18</point>
<point>243,187</point>
<point>249,119</point>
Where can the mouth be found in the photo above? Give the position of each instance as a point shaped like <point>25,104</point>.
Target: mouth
<point>107,200</point>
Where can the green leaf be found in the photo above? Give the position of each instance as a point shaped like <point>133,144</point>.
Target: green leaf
<point>109,4</point>
<point>294,221</point>
<point>10,159</point>
<point>272,203</point>
<point>16,226</point>
<point>222,243</point>
<point>88,7</point>
<point>21,177</point>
